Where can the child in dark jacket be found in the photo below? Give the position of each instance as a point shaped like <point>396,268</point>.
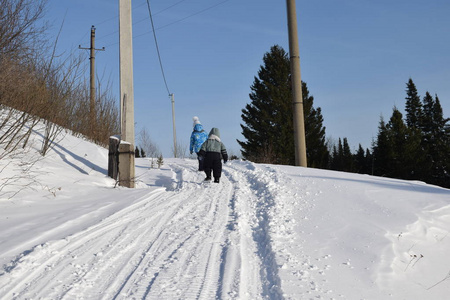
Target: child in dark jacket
<point>213,150</point>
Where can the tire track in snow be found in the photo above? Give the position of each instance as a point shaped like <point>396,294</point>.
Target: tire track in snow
<point>133,253</point>
<point>40,271</point>
<point>193,242</point>
<point>256,183</point>
<point>190,268</point>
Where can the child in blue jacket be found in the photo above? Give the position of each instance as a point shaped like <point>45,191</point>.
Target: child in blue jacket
<point>198,137</point>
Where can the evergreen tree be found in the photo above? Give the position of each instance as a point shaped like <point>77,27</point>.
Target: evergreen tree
<point>397,135</point>
<point>413,106</point>
<point>338,158</point>
<point>369,163</point>
<point>362,161</point>
<point>268,119</point>
<point>347,157</point>
<point>262,115</point>
<point>317,150</point>
<point>143,153</point>
<point>428,126</point>
<point>417,149</point>
<point>160,161</point>
<point>436,140</point>
<point>416,155</point>
<point>382,151</point>
<point>334,159</point>
<point>136,153</point>
<point>397,152</point>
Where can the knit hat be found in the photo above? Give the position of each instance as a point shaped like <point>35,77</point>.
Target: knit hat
<point>196,120</point>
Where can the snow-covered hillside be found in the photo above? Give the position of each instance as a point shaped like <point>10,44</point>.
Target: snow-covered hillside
<point>264,232</point>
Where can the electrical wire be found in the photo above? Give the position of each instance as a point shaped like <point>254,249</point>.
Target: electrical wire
<point>157,47</point>
<point>136,22</point>
<point>164,26</point>
<point>169,7</point>
<point>194,14</point>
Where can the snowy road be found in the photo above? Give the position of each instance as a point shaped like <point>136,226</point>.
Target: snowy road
<point>265,232</point>
<point>196,241</point>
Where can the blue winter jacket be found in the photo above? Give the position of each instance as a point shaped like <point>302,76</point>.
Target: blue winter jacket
<point>198,137</point>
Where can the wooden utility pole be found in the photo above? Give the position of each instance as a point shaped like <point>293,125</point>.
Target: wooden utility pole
<point>92,112</point>
<point>299,119</point>
<point>126,90</point>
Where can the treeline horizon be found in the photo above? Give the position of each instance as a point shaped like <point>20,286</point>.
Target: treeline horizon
<point>412,147</point>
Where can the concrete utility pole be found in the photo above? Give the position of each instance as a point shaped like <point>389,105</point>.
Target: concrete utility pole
<point>299,122</point>
<point>174,129</point>
<point>92,112</point>
<point>126,88</point>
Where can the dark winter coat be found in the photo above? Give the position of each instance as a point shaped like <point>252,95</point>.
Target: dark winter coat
<point>214,145</point>
<point>213,151</point>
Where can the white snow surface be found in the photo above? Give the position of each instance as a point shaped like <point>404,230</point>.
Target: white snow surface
<point>263,232</point>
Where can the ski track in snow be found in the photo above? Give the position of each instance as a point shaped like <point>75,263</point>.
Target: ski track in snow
<point>195,241</point>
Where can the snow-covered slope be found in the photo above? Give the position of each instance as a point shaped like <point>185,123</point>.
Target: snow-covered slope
<point>264,232</point>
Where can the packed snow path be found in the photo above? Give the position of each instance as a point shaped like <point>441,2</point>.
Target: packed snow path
<point>194,242</point>
<point>263,232</point>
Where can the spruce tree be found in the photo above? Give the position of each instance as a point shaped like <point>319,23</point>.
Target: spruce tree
<point>382,151</point>
<point>347,157</point>
<point>334,159</point>
<point>143,154</point>
<point>360,161</point>
<point>338,158</point>
<point>413,106</point>
<point>262,116</point>
<point>137,153</point>
<point>317,150</point>
<point>428,122</point>
<point>397,133</point>
<point>369,163</point>
<point>268,128</point>
<point>415,151</point>
<point>397,152</point>
<point>436,140</point>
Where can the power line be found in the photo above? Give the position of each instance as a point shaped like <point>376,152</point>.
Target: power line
<point>167,25</point>
<point>194,14</point>
<point>169,7</point>
<point>139,21</point>
<point>117,16</point>
<point>157,47</point>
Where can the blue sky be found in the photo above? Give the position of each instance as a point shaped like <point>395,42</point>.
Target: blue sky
<point>356,57</point>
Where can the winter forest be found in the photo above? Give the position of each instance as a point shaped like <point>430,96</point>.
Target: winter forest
<point>413,146</point>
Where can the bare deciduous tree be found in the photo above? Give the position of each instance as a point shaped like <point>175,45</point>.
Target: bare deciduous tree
<point>180,151</point>
<point>146,143</point>
<point>20,33</point>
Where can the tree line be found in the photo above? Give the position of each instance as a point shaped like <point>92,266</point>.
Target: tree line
<point>40,87</point>
<point>414,147</point>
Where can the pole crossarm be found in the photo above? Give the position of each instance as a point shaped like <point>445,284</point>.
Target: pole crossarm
<point>92,79</point>
<point>92,46</point>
